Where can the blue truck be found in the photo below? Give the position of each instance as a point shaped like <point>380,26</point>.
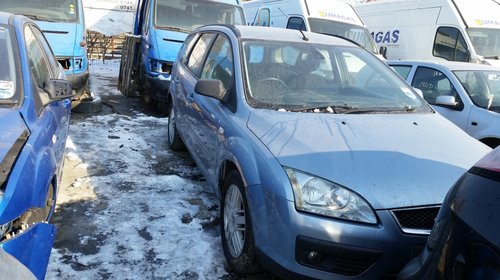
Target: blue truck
<point>160,28</point>
<point>35,110</point>
<point>63,24</point>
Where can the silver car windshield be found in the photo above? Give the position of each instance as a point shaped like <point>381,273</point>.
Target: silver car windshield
<point>7,71</point>
<point>185,16</point>
<point>483,87</point>
<point>357,33</point>
<point>323,78</point>
<point>486,42</point>
<point>43,10</point>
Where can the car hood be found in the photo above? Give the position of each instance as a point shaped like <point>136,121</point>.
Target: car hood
<point>61,37</point>
<point>392,160</point>
<point>14,133</point>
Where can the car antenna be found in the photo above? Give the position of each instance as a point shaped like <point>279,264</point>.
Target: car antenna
<point>303,36</point>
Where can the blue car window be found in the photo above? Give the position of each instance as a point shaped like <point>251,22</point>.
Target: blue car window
<point>7,71</point>
<point>38,61</point>
<point>219,63</point>
<point>195,60</point>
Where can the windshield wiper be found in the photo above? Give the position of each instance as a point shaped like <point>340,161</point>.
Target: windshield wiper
<point>171,28</point>
<point>37,17</point>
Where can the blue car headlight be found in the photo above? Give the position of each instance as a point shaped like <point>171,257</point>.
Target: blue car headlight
<point>319,196</point>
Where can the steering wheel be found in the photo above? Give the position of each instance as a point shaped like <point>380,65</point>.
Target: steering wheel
<point>276,80</point>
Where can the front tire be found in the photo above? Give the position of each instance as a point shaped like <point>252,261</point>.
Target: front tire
<point>236,227</point>
<point>174,140</point>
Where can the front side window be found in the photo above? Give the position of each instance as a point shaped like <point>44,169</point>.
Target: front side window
<point>483,87</point>
<point>357,33</point>
<point>486,42</point>
<point>219,63</point>
<point>450,45</point>
<point>43,10</point>
<point>39,64</point>
<point>195,60</point>
<point>296,23</point>
<point>300,76</point>
<point>433,83</point>
<point>185,16</point>
<point>7,69</point>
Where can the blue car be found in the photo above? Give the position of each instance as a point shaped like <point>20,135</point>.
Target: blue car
<point>34,116</point>
<point>327,164</point>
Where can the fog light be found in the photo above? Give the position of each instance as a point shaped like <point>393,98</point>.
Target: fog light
<point>314,257</point>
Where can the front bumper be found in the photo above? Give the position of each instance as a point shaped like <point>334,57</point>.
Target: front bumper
<point>319,247</point>
<point>32,247</point>
<point>157,86</point>
<point>78,82</point>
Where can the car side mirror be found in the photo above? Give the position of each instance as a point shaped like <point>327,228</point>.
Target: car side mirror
<point>419,92</point>
<point>58,89</point>
<point>383,51</point>
<point>211,88</point>
<point>446,100</point>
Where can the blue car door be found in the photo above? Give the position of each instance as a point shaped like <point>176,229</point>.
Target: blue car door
<point>208,121</point>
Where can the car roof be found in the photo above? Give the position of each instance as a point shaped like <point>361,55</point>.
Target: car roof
<point>277,34</point>
<point>451,65</point>
<point>4,17</point>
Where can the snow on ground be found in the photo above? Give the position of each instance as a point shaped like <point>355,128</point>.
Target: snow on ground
<point>126,210</point>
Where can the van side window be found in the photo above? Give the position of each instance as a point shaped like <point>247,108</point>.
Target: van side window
<point>434,83</point>
<point>195,60</point>
<point>219,63</point>
<point>296,23</point>
<point>264,18</point>
<point>450,44</point>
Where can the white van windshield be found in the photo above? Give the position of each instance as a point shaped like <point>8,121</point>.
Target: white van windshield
<point>7,71</point>
<point>357,33</point>
<point>486,42</point>
<point>483,87</point>
<point>185,16</point>
<point>323,78</point>
<point>43,10</point>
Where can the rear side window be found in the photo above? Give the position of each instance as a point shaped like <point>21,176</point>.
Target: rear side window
<point>450,44</point>
<point>434,83</point>
<point>7,70</point>
<point>195,60</point>
<point>186,47</point>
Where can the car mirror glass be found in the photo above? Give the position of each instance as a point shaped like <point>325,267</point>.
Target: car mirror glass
<point>211,88</point>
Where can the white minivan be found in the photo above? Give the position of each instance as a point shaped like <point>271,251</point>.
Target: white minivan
<point>467,94</point>
<point>332,17</point>
<point>456,30</point>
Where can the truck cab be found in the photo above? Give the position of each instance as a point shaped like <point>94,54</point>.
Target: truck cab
<point>160,28</point>
<point>63,24</point>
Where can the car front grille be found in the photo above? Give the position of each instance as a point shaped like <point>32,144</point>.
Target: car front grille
<point>416,220</point>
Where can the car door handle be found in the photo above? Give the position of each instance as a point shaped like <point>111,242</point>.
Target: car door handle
<point>473,123</point>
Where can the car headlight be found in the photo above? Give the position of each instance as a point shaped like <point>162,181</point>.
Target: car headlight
<point>318,196</point>
<point>161,66</point>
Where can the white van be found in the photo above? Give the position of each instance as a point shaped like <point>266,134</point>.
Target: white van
<point>457,30</point>
<point>329,17</point>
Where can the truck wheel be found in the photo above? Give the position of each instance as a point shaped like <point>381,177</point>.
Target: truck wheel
<point>236,227</point>
<point>174,140</point>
